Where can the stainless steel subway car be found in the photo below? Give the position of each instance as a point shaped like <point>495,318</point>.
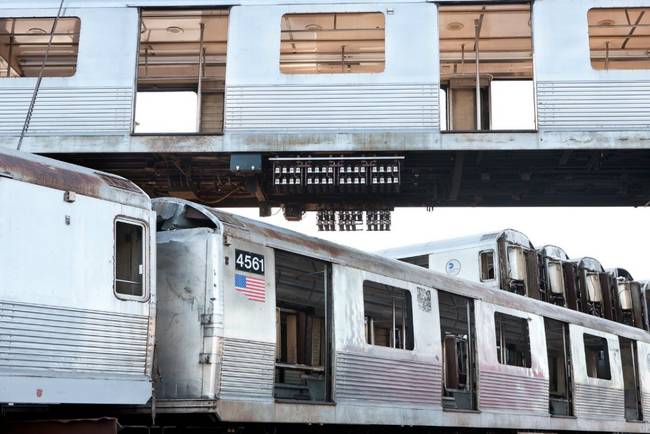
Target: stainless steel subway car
<point>77,285</point>
<point>261,324</point>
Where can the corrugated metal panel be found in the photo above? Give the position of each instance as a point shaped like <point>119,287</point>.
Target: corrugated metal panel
<point>506,392</point>
<point>67,111</point>
<point>599,402</point>
<point>593,105</point>
<point>365,378</point>
<point>247,369</point>
<point>332,107</point>
<point>42,339</point>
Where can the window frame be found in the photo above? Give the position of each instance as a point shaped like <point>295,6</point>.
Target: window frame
<point>604,340</point>
<point>410,320</point>
<point>480,265</point>
<point>527,321</point>
<point>590,59</point>
<point>343,74</point>
<point>145,259</point>
<point>53,18</point>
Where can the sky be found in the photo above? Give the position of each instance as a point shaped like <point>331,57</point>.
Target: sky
<point>617,237</point>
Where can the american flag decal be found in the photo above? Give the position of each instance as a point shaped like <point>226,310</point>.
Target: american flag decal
<point>253,288</point>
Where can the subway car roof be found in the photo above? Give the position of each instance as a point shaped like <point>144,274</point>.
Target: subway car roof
<point>47,172</point>
<point>205,3</point>
<point>510,235</point>
<point>174,214</point>
<point>554,252</point>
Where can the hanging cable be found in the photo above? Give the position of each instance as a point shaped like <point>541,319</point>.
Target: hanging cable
<point>30,110</point>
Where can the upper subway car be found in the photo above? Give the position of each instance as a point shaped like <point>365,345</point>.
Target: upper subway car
<point>448,89</point>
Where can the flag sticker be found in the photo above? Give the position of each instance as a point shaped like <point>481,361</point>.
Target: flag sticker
<point>253,288</point>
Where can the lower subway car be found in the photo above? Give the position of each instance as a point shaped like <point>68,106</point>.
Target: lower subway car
<point>261,326</point>
<point>258,328</point>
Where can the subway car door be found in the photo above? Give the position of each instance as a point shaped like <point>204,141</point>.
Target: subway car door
<point>457,330</point>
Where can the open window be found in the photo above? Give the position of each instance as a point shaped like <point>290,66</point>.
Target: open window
<point>181,71</point>
<point>388,316</point>
<point>130,259</point>
<point>513,340</point>
<point>24,46</point>
<point>420,260</point>
<point>597,357</point>
<point>303,324</point>
<point>459,355</point>
<point>486,262</point>
<point>619,38</point>
<point>332,43</point>
<point>558,350</point>
<point>486,67</point>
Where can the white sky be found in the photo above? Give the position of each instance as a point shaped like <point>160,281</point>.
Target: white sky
<point>617,237</point>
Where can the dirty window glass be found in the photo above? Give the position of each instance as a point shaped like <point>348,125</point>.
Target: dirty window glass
<point>513,340</point>
<point>487,265</point>
<point>619,38</point>
<point>597,357</point>
<point>24,44</point>
<point>129,259</point>
<point>331,43</point>
<point>388,316</point>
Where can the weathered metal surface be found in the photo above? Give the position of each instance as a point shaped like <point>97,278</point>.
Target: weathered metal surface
<point>593,105</point>
<point>41,339</point>
<point>276,237</point>
<point>50,173</point>
<point>332,107</point>
<point>368,379</point>
<point>64,332</point>
<point>596,402</point>
<point>505,392</point>
<point>247,370</point>
<point>67,111</point>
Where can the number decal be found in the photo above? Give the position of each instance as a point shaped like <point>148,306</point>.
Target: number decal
<point>250,262</point>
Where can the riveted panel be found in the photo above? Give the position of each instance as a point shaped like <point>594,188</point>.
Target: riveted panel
<point>67,111</point>
<point>507,392</point>
<point>599,402</point>
<point>332,107</point>
<point>41,340</point>
<point>593,105</point>
<point>247,369</point>
<point>367,378</point>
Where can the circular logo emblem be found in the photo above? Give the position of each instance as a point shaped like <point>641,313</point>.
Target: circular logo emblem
<point>453,267</point>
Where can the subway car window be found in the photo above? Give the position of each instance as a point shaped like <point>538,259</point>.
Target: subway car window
<point>486,67</point>
<point>181,71</point>
<point>486,259</point>
<point>129,259</point>
<point>24,47</point>
<point>388,316</point>
<point>619,38</point>
<point>513,340</point>
<point>597,357</point>
<point>332,43</point>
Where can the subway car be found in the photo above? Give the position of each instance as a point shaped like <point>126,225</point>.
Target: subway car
<point>455,88</point>
<point>261,327</point>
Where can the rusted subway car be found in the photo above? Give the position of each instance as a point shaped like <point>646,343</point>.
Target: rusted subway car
<point>260,324</point>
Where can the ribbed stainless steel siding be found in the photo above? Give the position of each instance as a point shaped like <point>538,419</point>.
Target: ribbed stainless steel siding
<point>366,378</point>
<point>67,111</point>
<point>247,369</point>
<point>599,402</point>
<point>593,105</point>
<point>507,392</point>
<point>332,107</point>
<point>43,339</point>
